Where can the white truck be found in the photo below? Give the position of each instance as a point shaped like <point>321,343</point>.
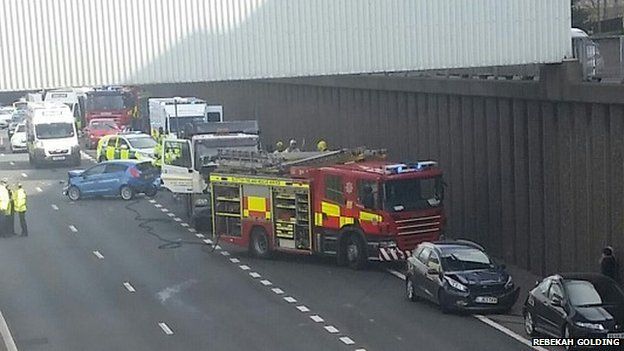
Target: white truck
<point>173,114</point>
<point>188,174</point>
<point>68,97</point>
<point>51,134</point>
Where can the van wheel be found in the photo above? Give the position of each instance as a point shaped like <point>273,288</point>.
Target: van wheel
<point>259,245</point>
<point>73,193</point>
<point>126,193</point>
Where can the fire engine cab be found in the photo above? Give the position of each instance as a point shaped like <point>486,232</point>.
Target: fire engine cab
<point>352,204</point>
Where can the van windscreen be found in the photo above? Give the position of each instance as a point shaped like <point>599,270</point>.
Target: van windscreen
<point>54,130</point>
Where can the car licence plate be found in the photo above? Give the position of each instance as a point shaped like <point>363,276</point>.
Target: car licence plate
<point>615,336</point>
<point>486,299</point>
<point>58,158</point>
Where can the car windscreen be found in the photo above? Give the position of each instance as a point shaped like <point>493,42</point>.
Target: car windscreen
<point>105,102</point>
<point>178,123</point>
<point>103,125</point>
<point>464,259</point>
<point>583,293</point>
<point>142,143</point>
<point>413,194</point>
<point>206,150</point>
<point>54,130</point>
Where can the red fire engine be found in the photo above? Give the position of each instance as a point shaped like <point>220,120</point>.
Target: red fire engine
<point>118,103</point>
<point>350,203</point>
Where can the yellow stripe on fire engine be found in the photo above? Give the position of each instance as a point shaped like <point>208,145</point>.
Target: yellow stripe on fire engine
<point>318,219</point>
<point>346,220</point>
<point>330,210</point>
<point>258,181</point>
<point>255,203</point>
<point>245,213</point>
<point>367,216</point>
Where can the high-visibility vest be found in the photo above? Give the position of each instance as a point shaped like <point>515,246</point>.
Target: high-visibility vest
<point>4,198</point>
<point>19,200</point>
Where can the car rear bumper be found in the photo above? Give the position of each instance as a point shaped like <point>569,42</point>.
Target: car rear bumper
<point>466,301</point>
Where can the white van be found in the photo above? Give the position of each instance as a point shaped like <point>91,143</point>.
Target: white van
<point>51,134</point>
<point>68,97</point>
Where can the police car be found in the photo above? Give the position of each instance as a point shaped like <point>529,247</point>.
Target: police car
<point>124,146</point>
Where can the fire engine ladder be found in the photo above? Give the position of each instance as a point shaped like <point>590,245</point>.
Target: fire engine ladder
<point>262,162</point>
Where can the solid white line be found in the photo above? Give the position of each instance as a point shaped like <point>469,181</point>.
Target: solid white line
<point>266,282</point>
<point>54,207</point>
<point>508,332</point>
<point>98,255</point>
<point>254,275</point>
<point>347,340</point>
<point>290,299</point>
<point>244,267</point>
<point>487,321</point>
<point>24,175</point>
<point>165,328</point>
<point>234,260</point>
<point>331,329</point>
<point>317,318</point>
<point>129,287</point>
<point>303,308</point>
<point>199,235</point>
<point>73,229</point>
<point>39,189</point>
<point>9,343</point>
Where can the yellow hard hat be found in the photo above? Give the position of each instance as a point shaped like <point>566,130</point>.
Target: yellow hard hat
<point>321,146</point>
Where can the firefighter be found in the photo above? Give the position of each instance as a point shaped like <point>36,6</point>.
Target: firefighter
<point>157,162</point>
<point>321,146</point>
<point>609,265</point>
<point>279,147</point>
<point>292,146</point>
<point>19,206</point>
<point>5,199</point>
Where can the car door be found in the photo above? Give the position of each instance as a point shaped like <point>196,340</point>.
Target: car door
<point>554,314</point>
<point>113,178</point>
<point>432,280</point>
<point>91,183</point>
<point>420,273</point>
<point>177,166</point>
<point>111,146</point>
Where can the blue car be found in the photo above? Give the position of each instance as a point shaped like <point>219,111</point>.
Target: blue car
<point>123,178</point>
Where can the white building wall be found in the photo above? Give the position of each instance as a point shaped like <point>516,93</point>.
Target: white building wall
<point>59,43</point>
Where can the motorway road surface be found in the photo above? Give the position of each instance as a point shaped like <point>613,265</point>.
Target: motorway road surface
<point>104,274</point>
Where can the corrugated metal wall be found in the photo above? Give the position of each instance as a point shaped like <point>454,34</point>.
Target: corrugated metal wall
<point>57,43</point>
<point>537,179</point>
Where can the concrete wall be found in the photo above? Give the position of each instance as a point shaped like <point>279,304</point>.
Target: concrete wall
<point>535,169</point>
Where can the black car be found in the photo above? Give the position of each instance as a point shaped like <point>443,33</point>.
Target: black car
<point>575,305</point>
<point>459,275</point>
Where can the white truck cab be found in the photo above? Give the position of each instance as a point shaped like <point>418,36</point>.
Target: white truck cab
<point>173,114</point>
<point>51,134</point>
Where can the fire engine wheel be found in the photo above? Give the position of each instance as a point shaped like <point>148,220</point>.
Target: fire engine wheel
<point>355,251</point>
<point>259,245</point>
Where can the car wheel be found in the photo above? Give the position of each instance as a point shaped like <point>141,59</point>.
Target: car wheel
<point>151,192</point>
<point>355,252</point>
<point>529,324</point>
<point>410,291</point>
<point>126,193</point>
<point>101,159</point>
<point>73,193</point>
<point>259,245</point>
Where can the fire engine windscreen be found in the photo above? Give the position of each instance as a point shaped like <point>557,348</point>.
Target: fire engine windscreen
<point>206,150</point>
<point>54,130</point>
<point>413,194</point>
<point>109,101</point>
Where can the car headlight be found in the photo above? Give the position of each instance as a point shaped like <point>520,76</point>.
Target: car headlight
<point>509,284</point>
<point>592,326</point>
<point>455,284</point>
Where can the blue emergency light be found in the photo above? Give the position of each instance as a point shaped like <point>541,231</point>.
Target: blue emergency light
<point>411,167</point>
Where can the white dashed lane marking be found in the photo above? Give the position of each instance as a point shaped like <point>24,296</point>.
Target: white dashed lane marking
<point>234,260</point>
<point>98,255</point>
<point>199,235</point>
<point>266,282</point>
<point>331,329</point>
<point>158,205</point>
<point>24,175</point>
<point>244,267</point>
<point>347,340</point>
<point>164,210</point>
<point>178,219</point>
<point>217,247</point>
<point>12,163</point>
<point>225,253</point>
<point>303,308</point>
<point>278,291</point>
<point>192,230</point>
<point>54,207</point>
<point>290,299</point>
<point>317,318</point>
<point>207,241</point>
<point>39,189</point>
<point>73,229</point>
<point>186,225</point>
<point>151,201</point>
<point>165,328</point>
<point>171,214</point>
<point>129,287</point>
<point>254,275</point>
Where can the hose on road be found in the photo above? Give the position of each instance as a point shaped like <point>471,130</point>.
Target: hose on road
<point>147,225</point>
